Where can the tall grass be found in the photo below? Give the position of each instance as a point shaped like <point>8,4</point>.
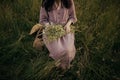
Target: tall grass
<point>97,42</point>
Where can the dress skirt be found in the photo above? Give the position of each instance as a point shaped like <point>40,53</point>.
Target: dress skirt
<point>62,49</point>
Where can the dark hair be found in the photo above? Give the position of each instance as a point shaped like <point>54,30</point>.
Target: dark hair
<point>47,4</point>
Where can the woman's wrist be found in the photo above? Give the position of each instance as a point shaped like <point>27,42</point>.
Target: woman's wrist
<point>69,22</point>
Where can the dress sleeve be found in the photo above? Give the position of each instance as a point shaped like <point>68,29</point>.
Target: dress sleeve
<point>72,13</point>
<point>43,17</point>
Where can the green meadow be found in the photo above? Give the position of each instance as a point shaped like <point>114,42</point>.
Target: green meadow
<point>97,40</point>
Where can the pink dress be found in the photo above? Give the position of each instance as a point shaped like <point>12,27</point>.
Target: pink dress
<point>62,49</point>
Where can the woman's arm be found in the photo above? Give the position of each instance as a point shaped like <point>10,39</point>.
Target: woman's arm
<point>72,17</point>
<point>43,17</point>
<point>72,13</point>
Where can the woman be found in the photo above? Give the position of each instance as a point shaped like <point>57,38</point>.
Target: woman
<point>60,12</point>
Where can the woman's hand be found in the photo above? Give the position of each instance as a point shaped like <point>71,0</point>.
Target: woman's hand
<point>67,27</point>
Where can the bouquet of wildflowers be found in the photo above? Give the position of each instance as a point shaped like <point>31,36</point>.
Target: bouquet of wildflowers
<point>53,32</point>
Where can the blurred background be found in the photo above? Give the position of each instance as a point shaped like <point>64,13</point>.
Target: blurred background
<point>97,42</point>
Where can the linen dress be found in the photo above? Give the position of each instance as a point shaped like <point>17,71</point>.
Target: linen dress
<point>62,49</point>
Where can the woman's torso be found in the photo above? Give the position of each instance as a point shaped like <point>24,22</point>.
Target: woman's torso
<point>59,15</point>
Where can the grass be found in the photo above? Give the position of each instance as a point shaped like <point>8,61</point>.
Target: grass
<point>97,42</point>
